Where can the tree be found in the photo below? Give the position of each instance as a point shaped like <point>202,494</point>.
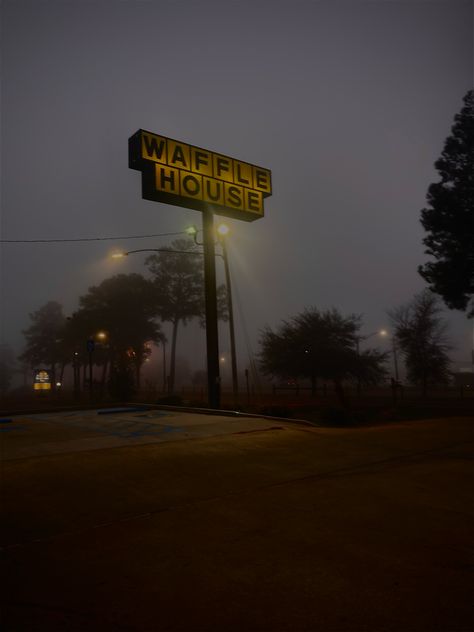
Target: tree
<point>449,218</point>
<point>7,367</point>
<point>179,282</point>
<point>44,338</point>
<point>124,308</point>
<point>318,344</point>
<point>420,334</point>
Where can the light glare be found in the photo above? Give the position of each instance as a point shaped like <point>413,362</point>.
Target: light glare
<point>223,229</point>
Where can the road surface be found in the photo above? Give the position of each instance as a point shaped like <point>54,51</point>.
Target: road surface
<point>158,520</point>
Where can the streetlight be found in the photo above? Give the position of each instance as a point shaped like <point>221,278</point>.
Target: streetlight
<point>395,356</point>
<point>210,300</point>
<point>98,337</point>
<point>222,231</point>
<point>121,255</point>
<point>379,332</point>
<point>384,333</point>
<point>210,297</point>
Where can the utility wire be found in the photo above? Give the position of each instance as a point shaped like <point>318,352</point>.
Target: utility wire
<point>51,241</point>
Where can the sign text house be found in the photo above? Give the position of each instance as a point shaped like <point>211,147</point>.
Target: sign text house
<point>184,175</point>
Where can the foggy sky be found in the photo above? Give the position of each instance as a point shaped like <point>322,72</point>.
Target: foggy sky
<point>347,102</point>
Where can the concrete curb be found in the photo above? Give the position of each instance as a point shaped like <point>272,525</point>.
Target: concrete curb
<point>225,413</point>
<point>137,406</point>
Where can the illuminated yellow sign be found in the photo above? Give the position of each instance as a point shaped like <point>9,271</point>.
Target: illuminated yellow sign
<point>184,175</point>
<point>42,380</point>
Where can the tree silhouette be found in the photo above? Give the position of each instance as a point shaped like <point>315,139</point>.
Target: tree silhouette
<point>449,218</point>
<point>318,344</point>
<point>124,308</point>
<point>45,337</point>
<point>7,367</point>
<point>420,334</point>
<point>179,281</point>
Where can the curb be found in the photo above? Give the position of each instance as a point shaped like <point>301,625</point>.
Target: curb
<point>137,406</point>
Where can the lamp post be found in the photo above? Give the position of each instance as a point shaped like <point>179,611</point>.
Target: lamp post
<point>379,332</point>
<point>395,358</point>
<point>101,337</point>
<point>210,301</point>
<point>210,294</point>
<point>121,255</point>
<point>395,383</point>
<point>165,382</point>
<point>76,375</point>
<point>222,231</point>
<point>90,350</point>
<point>384,332</point>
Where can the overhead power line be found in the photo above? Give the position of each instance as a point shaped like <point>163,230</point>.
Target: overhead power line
<point>51,241</point>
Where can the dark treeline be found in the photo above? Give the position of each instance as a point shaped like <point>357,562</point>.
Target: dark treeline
<point>326,346</point>
<point>123,315</point>
<point>121,319</point>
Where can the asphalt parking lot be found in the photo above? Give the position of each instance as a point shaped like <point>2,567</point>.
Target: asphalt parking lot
<point>162,520</point>
<point>76,431</point>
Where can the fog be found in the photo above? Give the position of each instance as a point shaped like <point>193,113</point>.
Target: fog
<point>348,103</point>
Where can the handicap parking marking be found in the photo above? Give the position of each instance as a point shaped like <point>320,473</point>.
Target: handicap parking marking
<point>156,431</point>
<point>12,428</point>
<point>81,431</point>
<point>119,425</point>
<point>43,434</point>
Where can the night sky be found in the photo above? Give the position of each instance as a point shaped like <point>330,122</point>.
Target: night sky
<point>347,102</point>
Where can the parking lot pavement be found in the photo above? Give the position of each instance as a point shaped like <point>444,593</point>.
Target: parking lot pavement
<point>76,431</point>
<point>250,525</point>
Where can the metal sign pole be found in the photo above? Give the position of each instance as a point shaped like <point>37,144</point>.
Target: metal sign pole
<point>230,309</point>
<point>213,379</point>
<point>90,349</point>
<point>174,172</point>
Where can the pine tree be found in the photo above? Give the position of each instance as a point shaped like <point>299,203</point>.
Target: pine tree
<point>449,219</point>
<point>44,338</point>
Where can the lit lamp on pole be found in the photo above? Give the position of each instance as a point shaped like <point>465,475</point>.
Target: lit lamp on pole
<point>210,302</point>
<point>101,336</point>
<point>222,232</point>
<point>395,355</point>
<point>121,255</point>
<point>384,333</point>
<point>379,332</point>
<point>192,231</point>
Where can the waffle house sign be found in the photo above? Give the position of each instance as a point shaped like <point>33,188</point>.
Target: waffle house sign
<point>184,175</point>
